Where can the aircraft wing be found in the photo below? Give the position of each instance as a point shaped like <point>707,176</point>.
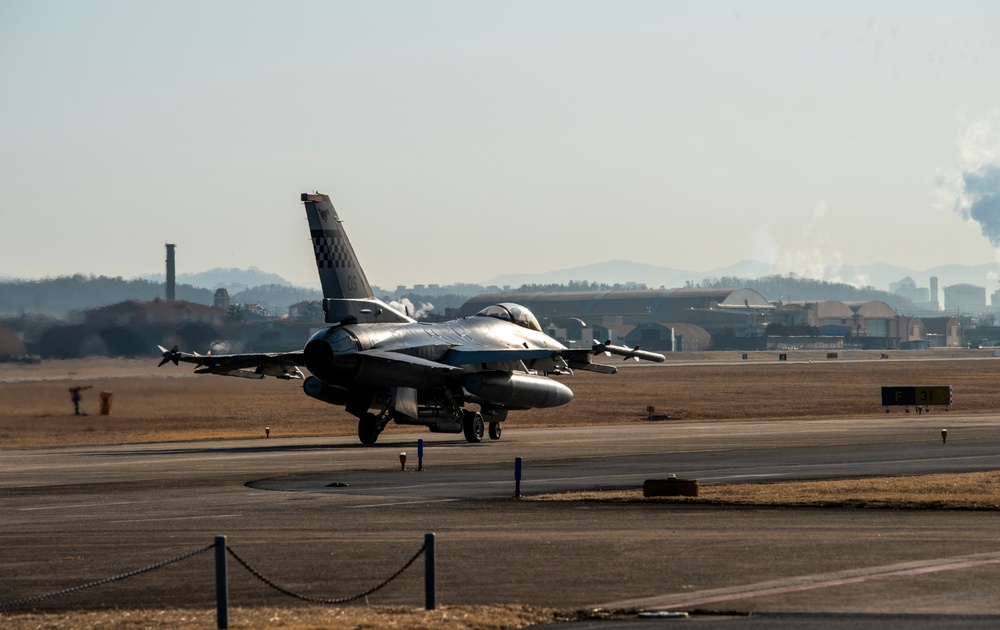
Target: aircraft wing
<point>472,355</point>
<point>576,359</point>
<point>280,365</point>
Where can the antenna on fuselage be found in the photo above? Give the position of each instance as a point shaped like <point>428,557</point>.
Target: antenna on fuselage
<point>368,311</point>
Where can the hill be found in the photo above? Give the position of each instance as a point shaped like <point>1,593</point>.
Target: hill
<point>58,297</point>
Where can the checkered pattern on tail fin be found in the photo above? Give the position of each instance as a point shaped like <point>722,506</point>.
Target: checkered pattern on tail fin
<point>340,273</point>
<point>332,251</point>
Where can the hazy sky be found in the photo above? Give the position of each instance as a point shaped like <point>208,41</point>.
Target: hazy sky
<point>461,140</point>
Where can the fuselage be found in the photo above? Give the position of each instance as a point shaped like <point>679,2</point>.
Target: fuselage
<point>340,355</point>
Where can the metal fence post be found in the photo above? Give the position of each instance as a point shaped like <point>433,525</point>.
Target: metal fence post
<point>221,584</point>
<point>430,596</point>
<point>517,477</point>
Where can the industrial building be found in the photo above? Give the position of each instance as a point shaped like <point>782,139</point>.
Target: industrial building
<point>964,298</point>
<point>725,319</point>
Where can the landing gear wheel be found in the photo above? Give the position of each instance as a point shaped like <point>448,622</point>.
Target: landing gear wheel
<point>368,429</point>
<point>474,427</point>
<point>495,430</point>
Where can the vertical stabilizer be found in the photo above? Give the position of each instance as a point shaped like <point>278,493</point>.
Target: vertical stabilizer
<point>347,296</point>
<point>340,272</point>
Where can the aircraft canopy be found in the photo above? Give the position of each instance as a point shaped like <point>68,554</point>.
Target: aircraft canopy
<point>511,312</point>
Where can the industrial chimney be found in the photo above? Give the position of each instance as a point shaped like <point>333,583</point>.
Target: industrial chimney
<point>171,274</point>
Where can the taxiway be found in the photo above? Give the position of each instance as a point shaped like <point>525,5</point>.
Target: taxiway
<point>329,518</point>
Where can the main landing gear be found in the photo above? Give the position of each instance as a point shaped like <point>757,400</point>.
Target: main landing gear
<point>369,427</point>
<point>474,427</point>
<point>472,423</point>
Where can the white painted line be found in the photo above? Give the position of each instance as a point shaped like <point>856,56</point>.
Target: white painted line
<point>177,518</point>
<point>374,505</point>
<point>794,584</point>
<point>510,482</point>
<point>794,588</point>
<point>76,505</point>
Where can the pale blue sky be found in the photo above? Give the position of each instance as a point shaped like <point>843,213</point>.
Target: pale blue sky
<point>461,140</point>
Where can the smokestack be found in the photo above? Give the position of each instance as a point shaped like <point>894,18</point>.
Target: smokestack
<point>171,274</point>
<point>934,294</point>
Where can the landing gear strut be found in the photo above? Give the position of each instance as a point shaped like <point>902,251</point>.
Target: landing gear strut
<point>472,423</point>
<point>368,429</point>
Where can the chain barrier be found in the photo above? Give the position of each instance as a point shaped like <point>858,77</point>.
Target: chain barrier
<point>316,600</point>
<point>17,603</point>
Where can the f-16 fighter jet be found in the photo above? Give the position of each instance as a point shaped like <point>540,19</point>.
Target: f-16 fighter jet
<point>381,365</point>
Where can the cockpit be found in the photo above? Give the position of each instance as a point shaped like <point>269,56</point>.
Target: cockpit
<point>508,311</point>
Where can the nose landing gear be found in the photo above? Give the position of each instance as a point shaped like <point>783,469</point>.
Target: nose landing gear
<point>495,429</point>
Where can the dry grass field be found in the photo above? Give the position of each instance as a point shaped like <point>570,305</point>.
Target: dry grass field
<point>171,403</point>
<point>501,617</point>
<point>968,491</point>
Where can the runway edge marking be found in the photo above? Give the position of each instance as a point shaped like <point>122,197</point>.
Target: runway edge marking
<point>805,583</point>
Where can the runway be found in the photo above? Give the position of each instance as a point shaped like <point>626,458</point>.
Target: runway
<point>330,518</point>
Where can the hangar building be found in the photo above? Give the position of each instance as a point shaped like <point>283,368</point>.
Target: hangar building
<point>672,319</point>
<point>734,319</point>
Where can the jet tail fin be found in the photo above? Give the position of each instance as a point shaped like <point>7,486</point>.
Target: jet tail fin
<point>340,272</point>
<point>347,296</point>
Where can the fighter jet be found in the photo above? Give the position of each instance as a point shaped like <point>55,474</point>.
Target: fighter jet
<point>381,365</point>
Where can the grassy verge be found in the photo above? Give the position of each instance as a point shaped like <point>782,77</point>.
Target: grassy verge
<point>332,618</point>
<point>970,491</point>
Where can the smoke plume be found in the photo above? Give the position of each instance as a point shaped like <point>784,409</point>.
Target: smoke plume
<point>813,256</point>
<point>404,305</point>
<point>980,200</point>
<point>974,186</point>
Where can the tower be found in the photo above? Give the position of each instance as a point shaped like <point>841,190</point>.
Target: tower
<point>171,274</point>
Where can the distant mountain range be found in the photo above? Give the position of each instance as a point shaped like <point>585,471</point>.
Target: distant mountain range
<point>879,276</point>
<point>233,280</point>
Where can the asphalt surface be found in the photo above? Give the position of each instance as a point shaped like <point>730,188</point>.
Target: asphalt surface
<point>328,518</point>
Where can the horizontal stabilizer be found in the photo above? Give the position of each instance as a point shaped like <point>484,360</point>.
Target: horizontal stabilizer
<point>399,357</point>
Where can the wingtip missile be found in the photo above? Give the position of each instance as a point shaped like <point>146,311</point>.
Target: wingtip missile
<point>170,355</point>
<point>628,353</point>
<point>632,355</point>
